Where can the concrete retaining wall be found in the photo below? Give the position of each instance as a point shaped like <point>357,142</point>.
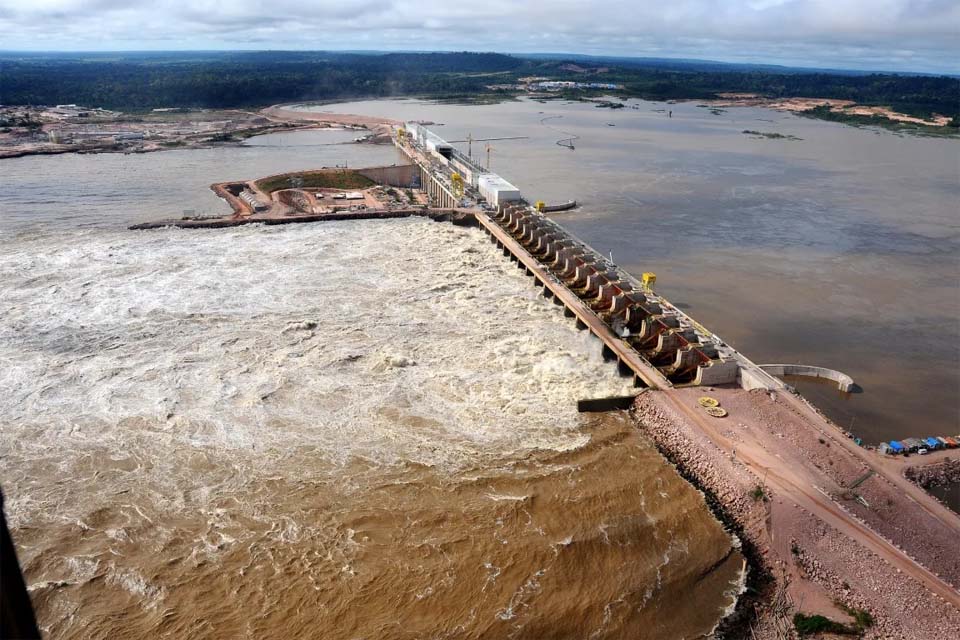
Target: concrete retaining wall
<point>844,382</point>
<point>397,176</point>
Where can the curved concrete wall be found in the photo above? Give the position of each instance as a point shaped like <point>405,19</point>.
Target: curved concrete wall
<point>844,382</point>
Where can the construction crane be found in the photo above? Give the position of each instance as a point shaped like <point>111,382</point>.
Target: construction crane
<point>470,145</point>
<point>489,149</point>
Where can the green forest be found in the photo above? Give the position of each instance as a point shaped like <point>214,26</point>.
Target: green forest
<point>141,81</point>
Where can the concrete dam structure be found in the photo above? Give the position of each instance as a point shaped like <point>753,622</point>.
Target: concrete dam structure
<point>650,338</point>
<point>647,335</point>
<point>844,382</point>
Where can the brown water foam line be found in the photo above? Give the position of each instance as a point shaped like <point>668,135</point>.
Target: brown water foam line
<point>759,580</point>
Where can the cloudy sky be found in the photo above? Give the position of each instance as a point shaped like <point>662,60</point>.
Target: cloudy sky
<point>907,35</point>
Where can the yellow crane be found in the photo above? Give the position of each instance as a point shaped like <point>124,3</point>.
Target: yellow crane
<point>456,181</point>
<point>649,279</point>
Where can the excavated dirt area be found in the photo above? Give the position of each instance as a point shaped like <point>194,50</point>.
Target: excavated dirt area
<point>820,559</point>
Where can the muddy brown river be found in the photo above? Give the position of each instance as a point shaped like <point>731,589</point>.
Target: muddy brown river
<point>346,430</point>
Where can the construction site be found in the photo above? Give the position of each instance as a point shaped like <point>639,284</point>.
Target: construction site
<point>830,527</point>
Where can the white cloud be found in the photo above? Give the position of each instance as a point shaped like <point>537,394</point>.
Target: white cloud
<point>888,34</point>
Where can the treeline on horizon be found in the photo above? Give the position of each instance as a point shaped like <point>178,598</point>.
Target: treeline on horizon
<point>140,81</point>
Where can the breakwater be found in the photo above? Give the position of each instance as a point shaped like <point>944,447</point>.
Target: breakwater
<point>439,215</point>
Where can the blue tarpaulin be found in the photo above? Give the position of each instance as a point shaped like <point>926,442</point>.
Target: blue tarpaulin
<point>933,443</point>
<point>896,446</point>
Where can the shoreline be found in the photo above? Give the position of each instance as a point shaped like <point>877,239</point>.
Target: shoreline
<point>153,148</point>
<point>145,135</point>
<point>286,118</point>
<point>758,578</point>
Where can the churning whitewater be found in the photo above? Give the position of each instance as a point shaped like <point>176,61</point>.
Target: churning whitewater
<point>340,430</point>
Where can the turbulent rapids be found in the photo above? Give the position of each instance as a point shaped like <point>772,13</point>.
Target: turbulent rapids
<point>343,430</point>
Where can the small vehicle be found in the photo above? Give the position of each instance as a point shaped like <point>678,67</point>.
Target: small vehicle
<point>922,452</point>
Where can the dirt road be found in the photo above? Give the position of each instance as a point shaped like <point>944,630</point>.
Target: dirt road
<point>794,481</point>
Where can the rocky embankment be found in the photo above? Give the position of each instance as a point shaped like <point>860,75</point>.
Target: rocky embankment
<point>798,562</point>
<point>722,486</point>
<point>935,475</point>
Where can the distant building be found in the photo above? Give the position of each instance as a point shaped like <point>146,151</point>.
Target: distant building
<point>557,85</point>
<point>912,444</point>
<point>251,199</point>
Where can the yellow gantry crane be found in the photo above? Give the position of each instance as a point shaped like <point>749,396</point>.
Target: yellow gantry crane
<point>456,181</point>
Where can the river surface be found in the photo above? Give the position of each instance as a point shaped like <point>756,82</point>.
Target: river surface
<point>840,249</point>
<point>342,430</point>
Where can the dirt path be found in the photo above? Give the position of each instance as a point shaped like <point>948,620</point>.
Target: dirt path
<point>792,480</point>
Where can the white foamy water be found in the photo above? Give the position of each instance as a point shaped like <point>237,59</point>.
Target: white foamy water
<point>325,430</point>
<point>262,342</point>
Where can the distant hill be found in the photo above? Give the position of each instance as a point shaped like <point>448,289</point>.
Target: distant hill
<point>694,64</point>
<point>223,79</point>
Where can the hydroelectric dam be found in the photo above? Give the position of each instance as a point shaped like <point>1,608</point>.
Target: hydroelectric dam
<point>651,339</point>
<point>779,454</point>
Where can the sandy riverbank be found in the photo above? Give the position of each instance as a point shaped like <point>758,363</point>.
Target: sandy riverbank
<point>814,538</point>
<point>379,127</point>
<point>800,105</point>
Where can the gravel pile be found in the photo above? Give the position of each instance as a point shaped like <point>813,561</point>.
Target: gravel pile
<point>935,475</point>
<point>900,608</point>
